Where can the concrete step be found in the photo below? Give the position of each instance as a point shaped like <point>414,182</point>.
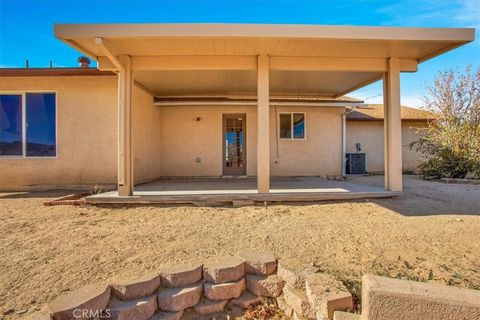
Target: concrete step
<point>265,286</point>
<point>224,291</point>
<point>136,288</point>
<point>167,315</point>
<point>91,299</point>
<point>259,262</point>
<point>327,294</point>
<point>245,300</point>
<point>223,269</point>
<point>180,275</point>
<point>177,299</point>
<point>207,306</point>
<point>138,309</point>
<point>298,301</point>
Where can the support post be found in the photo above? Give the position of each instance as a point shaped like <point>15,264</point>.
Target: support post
<point>125,150</point>
<point>263,119</point>
<point>392,126</point>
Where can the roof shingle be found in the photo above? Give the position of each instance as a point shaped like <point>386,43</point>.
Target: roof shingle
<point>374,112</point>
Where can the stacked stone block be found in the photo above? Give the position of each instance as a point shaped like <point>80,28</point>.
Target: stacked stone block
<point>309,294</point>
<point>206,289</point>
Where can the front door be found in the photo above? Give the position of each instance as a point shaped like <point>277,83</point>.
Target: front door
<point>234,151</point>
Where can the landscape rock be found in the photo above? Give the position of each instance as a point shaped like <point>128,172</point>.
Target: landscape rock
<point>134,289</point>
<point>224,291</point>
<point>296,316</point>
<point>298,301</point>
<point>139,309</point>
<point>177,299</point>
<point>92,299</point>
<point>168,315</point>
<point>341,315</point>
<point>473,175</point>
<point>245,300</point>
<point>295,272</point>
<point>180,275</point>
<point>327,294</point>
<point>259,262</point>
<point>265,286</point>
<point>225,269</point>
<point>207,306</point>
<point>284,307</point>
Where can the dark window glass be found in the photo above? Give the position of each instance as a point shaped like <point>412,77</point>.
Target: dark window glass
<point>285,126</point>
<point>40,125</point>
<point>298,126</point>
<point>11,125</point>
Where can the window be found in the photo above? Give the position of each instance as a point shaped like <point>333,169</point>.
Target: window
<point>11,132</point>
<point>292,125</point>
<point>28,125</point>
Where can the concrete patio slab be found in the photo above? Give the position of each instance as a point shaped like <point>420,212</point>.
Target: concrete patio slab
<point>283,189</point>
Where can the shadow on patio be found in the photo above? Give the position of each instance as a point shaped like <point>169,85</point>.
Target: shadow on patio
<point>425,197</point>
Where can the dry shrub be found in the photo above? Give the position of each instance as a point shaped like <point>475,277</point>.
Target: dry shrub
<point>267,309</point>
<point>451,143</point>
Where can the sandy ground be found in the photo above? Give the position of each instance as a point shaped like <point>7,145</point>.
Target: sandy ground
<point>432,233</point>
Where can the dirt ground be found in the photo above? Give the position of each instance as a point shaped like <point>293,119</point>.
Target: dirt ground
<point>431,233</point>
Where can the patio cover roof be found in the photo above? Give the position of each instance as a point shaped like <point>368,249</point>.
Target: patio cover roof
<point>206,59</point>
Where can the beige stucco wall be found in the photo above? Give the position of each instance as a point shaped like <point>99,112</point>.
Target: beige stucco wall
<point>146,137</point>
<point>184,140</point>
<point>370,135</point>
<point>87,122</point>
<point>319,154</point>
<point>166,140</point>
<point>86,133</point>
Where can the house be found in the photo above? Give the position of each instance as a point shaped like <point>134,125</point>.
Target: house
<point>206,100</point>
<point>365,130</point>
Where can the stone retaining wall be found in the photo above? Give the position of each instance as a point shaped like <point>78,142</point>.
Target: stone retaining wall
<point>204,290</point>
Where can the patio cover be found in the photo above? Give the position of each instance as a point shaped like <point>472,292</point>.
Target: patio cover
<point>263,61</point>
<point>209,59</point>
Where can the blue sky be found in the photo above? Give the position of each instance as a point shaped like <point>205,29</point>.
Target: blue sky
<point>26,27</point>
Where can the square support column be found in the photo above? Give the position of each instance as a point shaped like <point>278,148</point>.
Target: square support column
<point>392,124</point>
<point>125,150</point>
<point>263,120</point>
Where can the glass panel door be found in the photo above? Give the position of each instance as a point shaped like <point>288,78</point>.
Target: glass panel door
<point>234,144</point>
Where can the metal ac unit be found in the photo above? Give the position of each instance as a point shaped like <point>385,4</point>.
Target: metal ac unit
<point>356,163</point>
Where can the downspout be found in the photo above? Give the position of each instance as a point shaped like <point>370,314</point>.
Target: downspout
<point>344,139</point>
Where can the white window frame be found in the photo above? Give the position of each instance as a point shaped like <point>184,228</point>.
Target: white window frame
<point>291,125</point>
<point>24,124</point>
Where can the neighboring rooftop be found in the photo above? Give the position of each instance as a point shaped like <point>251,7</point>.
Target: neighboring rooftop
<point>374,112</point>
<point>52,72</point>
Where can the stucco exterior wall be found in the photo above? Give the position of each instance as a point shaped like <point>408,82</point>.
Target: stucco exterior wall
<point>146,137</point>
<point>86,133</point>
<point>184,140</point>
<point>319,154</point>
<point>167,140</point>
<point>370,135</point>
